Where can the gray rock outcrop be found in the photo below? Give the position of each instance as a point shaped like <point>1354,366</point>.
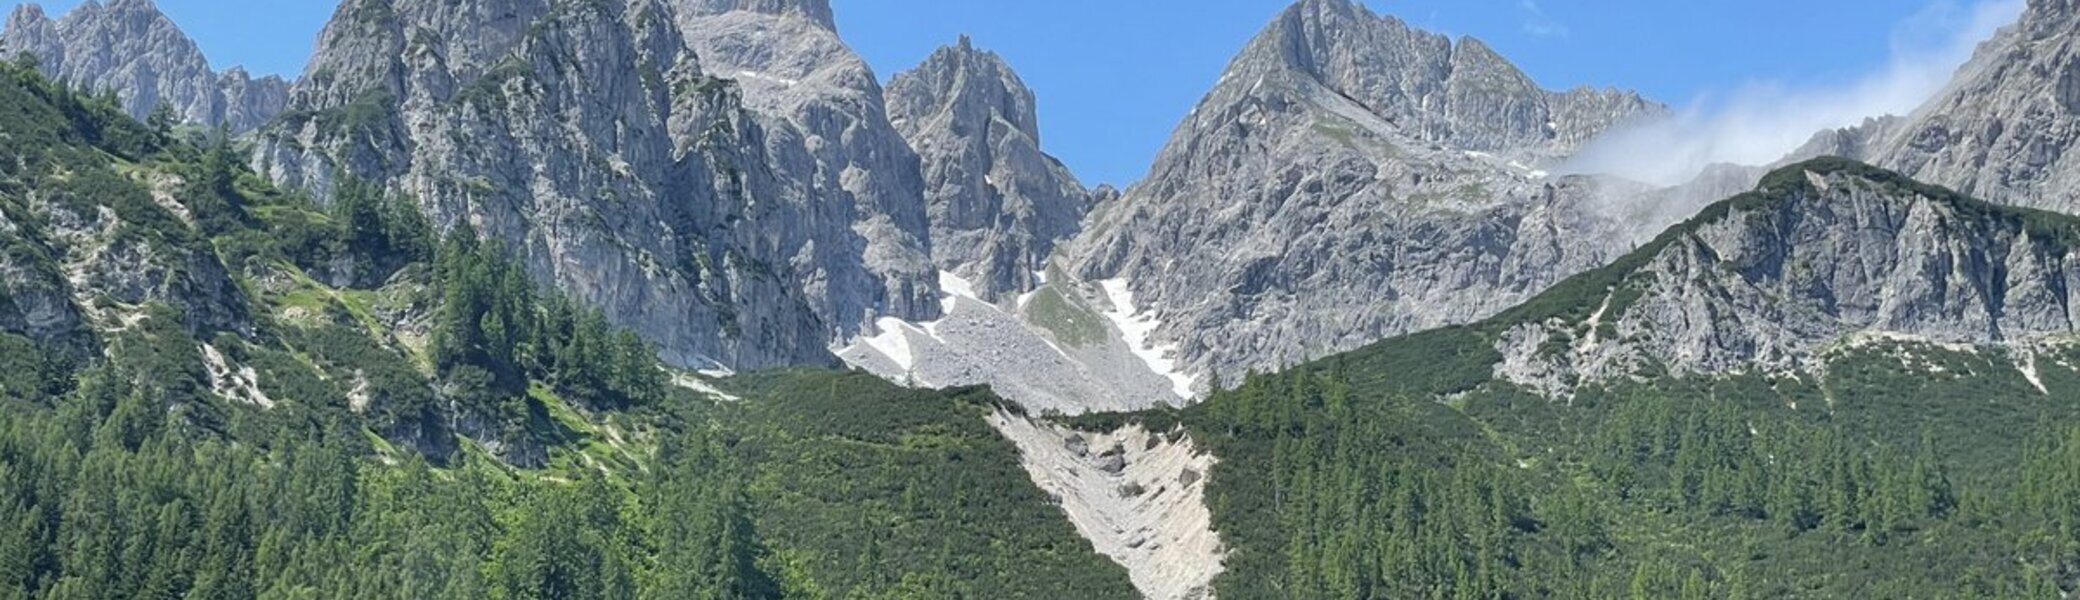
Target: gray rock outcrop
<point>829,142</point>
<point>132,49</point>
<point>817,12</point>
<point>729,222</point>
<point>998,205</point>
<point>2005,128</point>
<point>1822,252</point>
<point>1348,179</point>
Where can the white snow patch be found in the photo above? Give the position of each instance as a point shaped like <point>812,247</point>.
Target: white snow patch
<point>713,369</point>
<point>1135,327</point>
<point>1528,170</point>
<point>957,285</point>
<point>764,77</point>
<point>702,386</point>
<point>237,383</point>
<point>893,341</point>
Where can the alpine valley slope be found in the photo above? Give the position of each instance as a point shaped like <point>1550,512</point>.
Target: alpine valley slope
<point>175,368</point>
<point>1771,399</point>
<point>1842,384</point>
<point>1348,179</point>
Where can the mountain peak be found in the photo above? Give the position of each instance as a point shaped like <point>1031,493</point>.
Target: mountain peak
<point>30,30</point>
<point>1319,8</point>
<point>137,51</point>
<point>132,5</point>
<point>2001,129</point>
<point>963,73</point>
<point>136,13</point>
<point>998,204</point>
<point>26,12</point>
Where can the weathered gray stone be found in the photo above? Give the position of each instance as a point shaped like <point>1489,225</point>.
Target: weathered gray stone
<point>589,138</point>
<point>998,205</point>
<point>1349,179</point>
<point>2005,128</point>
<point>131,48</point>
<point>1777,278</point>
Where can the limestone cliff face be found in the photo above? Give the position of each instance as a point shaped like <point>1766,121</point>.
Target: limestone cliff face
<point>817,12</point>
<point>589,138</point>
<point>2005,128</point>
<point>998,204</point>
<point>1822,252</point>
<point>131,48</point>
<point>829,144</point>
<point>1348,179</point>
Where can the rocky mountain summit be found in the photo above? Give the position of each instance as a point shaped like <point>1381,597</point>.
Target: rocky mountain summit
<point>129,47</point>
<point>1824,253</point>
<point>741,209</point>
<point>828,142</point>
<point>998,204</point>
<point>2004,129</point>
<point>1351,178</point>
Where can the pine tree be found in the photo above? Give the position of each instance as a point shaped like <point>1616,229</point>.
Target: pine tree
<point>162,119</point>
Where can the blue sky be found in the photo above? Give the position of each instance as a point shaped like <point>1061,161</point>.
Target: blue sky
<point>1114,76</point>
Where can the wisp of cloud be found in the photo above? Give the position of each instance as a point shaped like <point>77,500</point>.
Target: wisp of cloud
<point>1763,122</point>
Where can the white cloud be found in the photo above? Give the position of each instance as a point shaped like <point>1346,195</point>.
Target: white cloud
<point>1761,122</point>
<point>1537,23</point>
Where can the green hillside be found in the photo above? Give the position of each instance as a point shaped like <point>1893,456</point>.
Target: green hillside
<point>213,389</point>
<point>1408,470</point>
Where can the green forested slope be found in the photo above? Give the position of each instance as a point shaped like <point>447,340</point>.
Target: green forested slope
<point>1890,469</point>
<point>212,389</point>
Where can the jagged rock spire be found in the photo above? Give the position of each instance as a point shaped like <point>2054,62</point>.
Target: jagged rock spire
<point>998,204</point>
<point>129,46</point>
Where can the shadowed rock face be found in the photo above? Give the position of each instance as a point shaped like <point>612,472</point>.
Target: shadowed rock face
<point>998,205</point>
<point>829,143</point>
<point>2005,128</point>
<point>1348,179</point>
<point>129,47</point>
<point>587,138</point>
<point>742,209</point>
